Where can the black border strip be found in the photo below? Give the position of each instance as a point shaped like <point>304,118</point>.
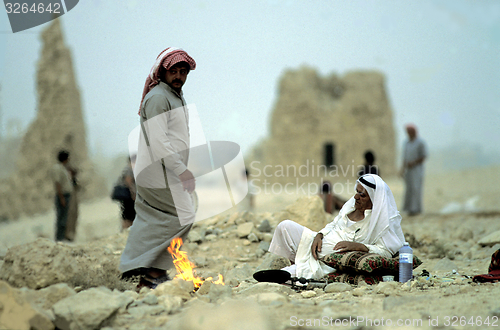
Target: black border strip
<point>369,184</point>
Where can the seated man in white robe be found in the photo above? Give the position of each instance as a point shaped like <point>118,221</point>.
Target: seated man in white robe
<point>368,222</point>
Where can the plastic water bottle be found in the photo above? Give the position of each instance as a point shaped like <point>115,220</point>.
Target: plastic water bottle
<point>405,263</point>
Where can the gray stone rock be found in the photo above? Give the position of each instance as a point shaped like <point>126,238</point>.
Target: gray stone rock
<point>360,291</point>
<point>273,261</point>
<point>337,287</point>
<point>47,297</point>
<point>246,242</point>
<point>265,226</point>
<point>17,313</point>
<point>248,216</point>
<point>259,253</point>
<point>267,237</point>
<point>143,311</point>
<point>204,288</point>
<point>491,239</point>
<point>308,294</point>
<point>150,299</point>
<point>43,262</point>
<point>170,303</point>
<point>445,264</point>
<point>236,275</point>
<point>39,264</point>
<point>195,236</point>
<point>214,221</point>
<point>211,238</point>
<point>176,287</point>
<point>264,245</point>
<point>231,221</point>
<point>464,234</point>
<point>200,261</point>
<point>219,291</point>
<point>239,221</point>
<point>387,288</point>
<point>244,229</point>
<point>212,230</point>
<point>253,238</point>
<point>89,309</point>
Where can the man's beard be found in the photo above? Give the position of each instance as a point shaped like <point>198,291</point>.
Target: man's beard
<point>176,88</point>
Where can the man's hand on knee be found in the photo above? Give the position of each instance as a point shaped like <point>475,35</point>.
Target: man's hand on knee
<point>316,245</point>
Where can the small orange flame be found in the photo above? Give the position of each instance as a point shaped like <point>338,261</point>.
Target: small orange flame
<point>185,267</point>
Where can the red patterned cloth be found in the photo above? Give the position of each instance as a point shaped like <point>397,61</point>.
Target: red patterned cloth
<point>355,266</point>
<point>493,270</point>
<point>167,58</point>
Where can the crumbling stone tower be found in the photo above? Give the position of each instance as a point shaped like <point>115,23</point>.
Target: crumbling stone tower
<point>58,125</point>
<point>327,122</point>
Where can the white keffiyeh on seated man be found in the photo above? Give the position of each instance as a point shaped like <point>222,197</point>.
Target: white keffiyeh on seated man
<point>369,222</point>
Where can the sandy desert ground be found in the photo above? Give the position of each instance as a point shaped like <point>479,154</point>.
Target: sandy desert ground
<point>460,208</point>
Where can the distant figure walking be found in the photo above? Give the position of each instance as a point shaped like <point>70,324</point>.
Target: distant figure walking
<point>72,221</point>
<point>61,177</point>
<point>246,184</point>
<point>369,167</point>
<point>414,154</point>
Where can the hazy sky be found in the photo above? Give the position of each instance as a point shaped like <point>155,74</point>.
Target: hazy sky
<point>441,60</point>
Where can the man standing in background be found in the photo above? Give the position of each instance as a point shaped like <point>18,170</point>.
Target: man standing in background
<point>414,154</point>
<point>63,186</point>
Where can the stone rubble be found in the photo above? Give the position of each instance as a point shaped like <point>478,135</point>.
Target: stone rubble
<point>90,309</point>
<point>50,284</point>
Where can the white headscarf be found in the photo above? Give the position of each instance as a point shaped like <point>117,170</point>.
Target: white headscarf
<point>385,220</point>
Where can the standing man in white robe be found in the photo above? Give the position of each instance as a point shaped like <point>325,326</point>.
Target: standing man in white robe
<point>368,222</point>
<point>414,154</point>
<point>163,205</point>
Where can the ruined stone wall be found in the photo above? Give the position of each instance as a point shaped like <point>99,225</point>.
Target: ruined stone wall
<point>58,125</point>
<point>351,112</point>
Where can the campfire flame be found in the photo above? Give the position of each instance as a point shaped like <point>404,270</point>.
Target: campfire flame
<point>185,267</point>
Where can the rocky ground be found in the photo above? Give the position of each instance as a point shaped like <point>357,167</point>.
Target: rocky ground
<point>76,286</point>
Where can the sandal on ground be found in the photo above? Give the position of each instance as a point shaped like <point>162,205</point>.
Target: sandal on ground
<point>153,282</point>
